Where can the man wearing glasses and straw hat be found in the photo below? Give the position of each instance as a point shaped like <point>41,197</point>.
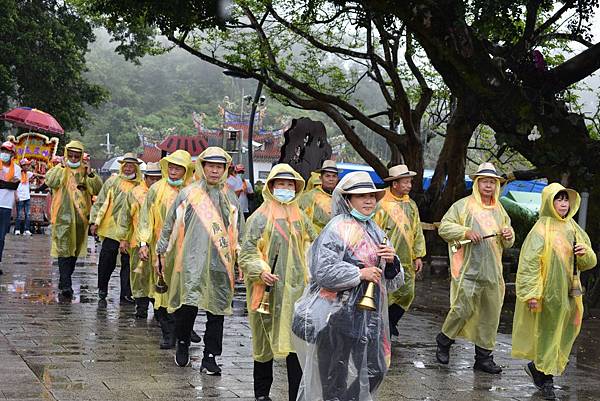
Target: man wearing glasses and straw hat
<point>316,203</point>
<point>111,201</point>
<point>398,215</point>
<point>477,289</point>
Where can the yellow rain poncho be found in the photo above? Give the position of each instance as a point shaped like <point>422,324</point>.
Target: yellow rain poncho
<point>546,335</point>
<point>200,236</point>
<point>72,191</point>
<point>111,202</point>
<point>313,181</point>
<point>275,232</point>
<point>316,203</point>
<point>141,274</point>
<point>399,219</point>
<point>477,287</point>
<point>159,199</point>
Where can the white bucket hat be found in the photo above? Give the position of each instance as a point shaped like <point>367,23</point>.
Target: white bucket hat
<point>487,170</point>
<point>360,182</point>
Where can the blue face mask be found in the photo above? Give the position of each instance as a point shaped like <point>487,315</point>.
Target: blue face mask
<point>362,217</point>
<point>73,164</point>
<point>5,157</point>
<point>284,195</point>
<point>175,183</point>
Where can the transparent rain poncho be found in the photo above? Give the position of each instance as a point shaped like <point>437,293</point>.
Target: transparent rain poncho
<point>546,334</point>
<point>477,286</point>
<point>316,203</point>
<point>200,238</point>
<point>344,352</point>
<point>275,232</point>
<point>159,199</point>
<point>111,202</point>
<point>399,218</point>
<point>72,191</point>
<point>141,274</point>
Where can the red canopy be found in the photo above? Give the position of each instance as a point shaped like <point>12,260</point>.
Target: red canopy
<point>33,119</point>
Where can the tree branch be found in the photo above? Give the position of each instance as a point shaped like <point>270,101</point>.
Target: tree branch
<point>575,69</point>
<point>550,21</point>
<point>565,36</point>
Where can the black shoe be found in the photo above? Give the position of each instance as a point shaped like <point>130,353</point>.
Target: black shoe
<point>195,337</point>
<point>209,365</point>
<point>102,303</point>
<point>548,391</point>
<point>102,295</point>
<point>141,314</point>
<point>263,398</point>
<point>537,376</point>
<point>442,354</point>
<point>395,313</point>
<point>127,299</point>
<point>166,342</point>
<point>67,293</point>
<point>1,272</point>
<point>182,354</point>
<point>487,365</point>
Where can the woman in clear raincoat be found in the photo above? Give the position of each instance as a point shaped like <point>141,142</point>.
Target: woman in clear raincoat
<point>159,199</point>
<point>273,253</point>
<point>548,315</point>
<point>345,351</point>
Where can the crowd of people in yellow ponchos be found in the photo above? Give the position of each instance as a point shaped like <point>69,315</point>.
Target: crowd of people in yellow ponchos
<point>309,254</point>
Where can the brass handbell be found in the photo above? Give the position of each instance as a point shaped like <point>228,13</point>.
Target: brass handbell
<point>576,289</point>
<point>264,303</point>
<point>161,286</point>
<point>367,302</point>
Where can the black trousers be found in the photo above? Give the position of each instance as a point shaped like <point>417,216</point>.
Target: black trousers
<point>185,317</point>
<point>107,263</point>
<point>263,377</point>
<point>334,350</point>
<point>66,267</point>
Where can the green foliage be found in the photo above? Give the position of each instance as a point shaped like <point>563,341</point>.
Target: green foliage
<point>43,46</point>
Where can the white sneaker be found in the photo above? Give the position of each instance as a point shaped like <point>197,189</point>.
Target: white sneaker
<point>27,233</point>
<point>17,232</point>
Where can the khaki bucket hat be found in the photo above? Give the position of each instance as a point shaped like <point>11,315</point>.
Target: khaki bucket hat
<point>214,154</point>
<point>153,169</point>
<point>329,166</point>
<point>399,171</point>
<point>130,158</point>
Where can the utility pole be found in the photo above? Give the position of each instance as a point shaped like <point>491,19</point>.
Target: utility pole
<point>107,144</point>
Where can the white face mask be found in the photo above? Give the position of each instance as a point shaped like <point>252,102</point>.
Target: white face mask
<point>5,157</point>
<point>129,177</point>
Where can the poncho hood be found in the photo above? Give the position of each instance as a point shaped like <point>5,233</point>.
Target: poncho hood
<point>181,158</point>
<point>206,156</point>
<point>547,208</point>
<point>284,171</point>
<point>477,195</point>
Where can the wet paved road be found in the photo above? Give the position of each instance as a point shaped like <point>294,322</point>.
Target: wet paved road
<point>80,351</point>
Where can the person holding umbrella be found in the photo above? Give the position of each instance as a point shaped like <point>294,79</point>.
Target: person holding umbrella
<point>73,184</point>
<point>10,176</point>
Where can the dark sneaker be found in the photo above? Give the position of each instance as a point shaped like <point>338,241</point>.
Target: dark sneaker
<point>67,293</point>
<point>442,354</point>
<point>537,376</point>
<point>548,391</point>
<point>102,295</point>
<point>195,337</point>
<point>488,366</point>
<point>182,354</point>
<point>1,272</point>
<point>209,365</point>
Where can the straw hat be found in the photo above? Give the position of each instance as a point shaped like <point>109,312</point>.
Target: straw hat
<point>214,154</point>
<point>399,171</point>
<point>130,158</point>
<point>487,170</point>
<point>329,166</point>
<point>153,169</point>
<point>74,146</point>
<point>360,182</point>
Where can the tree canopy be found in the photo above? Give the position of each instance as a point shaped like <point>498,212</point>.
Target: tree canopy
<point>43,46</point>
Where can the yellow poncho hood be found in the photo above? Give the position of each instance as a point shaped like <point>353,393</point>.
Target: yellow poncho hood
<point>213,154</point>
<point>286,172</point>
<point>181,158</point>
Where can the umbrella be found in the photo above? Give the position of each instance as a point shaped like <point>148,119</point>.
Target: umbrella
<point>33,119</point>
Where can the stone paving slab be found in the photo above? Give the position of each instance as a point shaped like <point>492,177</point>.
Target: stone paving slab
<point>82,351</point>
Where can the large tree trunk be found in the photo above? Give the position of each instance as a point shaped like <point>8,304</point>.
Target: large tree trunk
<point>448,181</point>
